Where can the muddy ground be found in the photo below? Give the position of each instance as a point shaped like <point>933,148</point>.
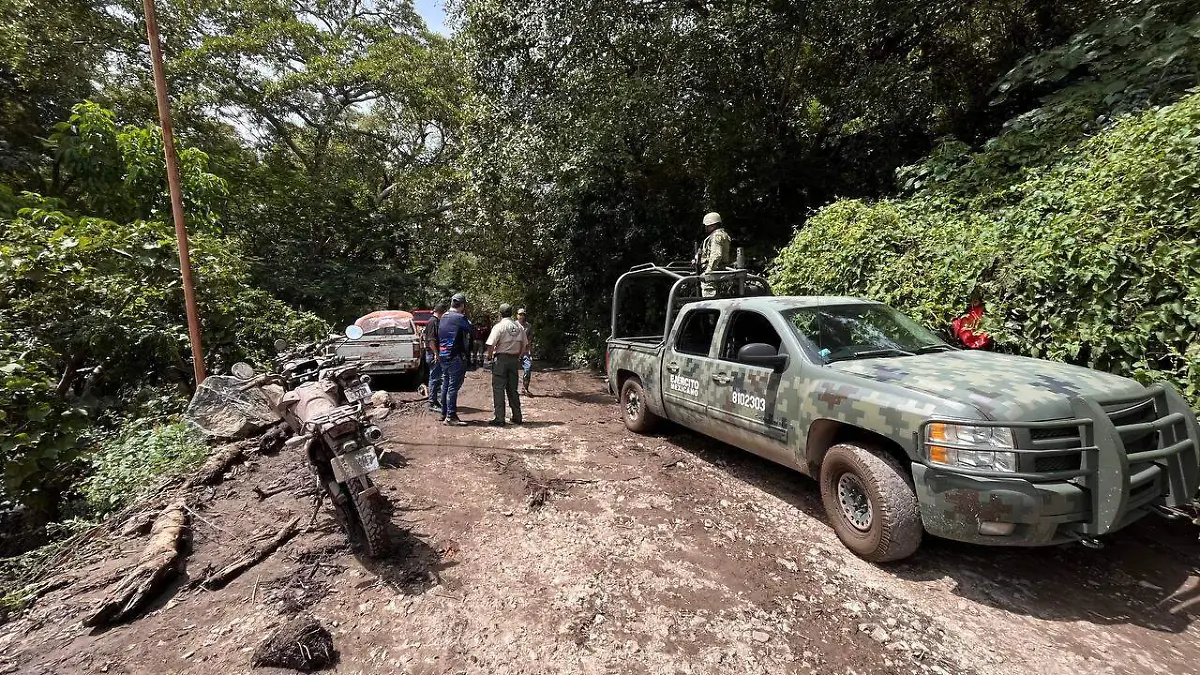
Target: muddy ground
<point>569,545</point>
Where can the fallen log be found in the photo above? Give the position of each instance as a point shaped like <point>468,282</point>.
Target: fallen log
<point>231,571</point>
<point>271,491</point>
<point>217,465</point>
<point>158,563</point>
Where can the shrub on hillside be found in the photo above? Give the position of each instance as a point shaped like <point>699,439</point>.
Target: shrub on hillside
<point>1091,258</point>
<point>125,466</point>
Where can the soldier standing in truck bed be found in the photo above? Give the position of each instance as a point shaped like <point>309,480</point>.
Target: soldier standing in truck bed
<point>714,252</point>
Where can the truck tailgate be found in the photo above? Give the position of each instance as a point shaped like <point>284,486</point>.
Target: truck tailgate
<point>386,353</point>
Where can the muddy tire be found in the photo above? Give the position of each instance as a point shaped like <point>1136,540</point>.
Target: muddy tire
<point>870,502</point>
<point>637,415</point>
<point>372,523</point>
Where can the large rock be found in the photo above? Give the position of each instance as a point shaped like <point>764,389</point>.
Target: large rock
<point>224,408</point>
<point>381,399</point>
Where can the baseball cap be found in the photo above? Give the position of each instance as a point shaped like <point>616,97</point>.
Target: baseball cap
<point>459,297</point>
<point>520,311</point>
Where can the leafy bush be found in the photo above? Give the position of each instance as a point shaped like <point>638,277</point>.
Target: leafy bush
<point>37,432</point>
<point>92,322</point>
<point>127,465</point>
<point>1091,258</point>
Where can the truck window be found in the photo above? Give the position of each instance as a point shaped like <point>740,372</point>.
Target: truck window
<point>696,333</point>
<point>747,328</point>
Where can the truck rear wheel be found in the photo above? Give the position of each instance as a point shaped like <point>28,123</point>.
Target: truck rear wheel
<point>870,502</point>
<point>638,416</point>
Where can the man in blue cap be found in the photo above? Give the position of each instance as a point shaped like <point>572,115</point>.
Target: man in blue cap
<point>454,344</point>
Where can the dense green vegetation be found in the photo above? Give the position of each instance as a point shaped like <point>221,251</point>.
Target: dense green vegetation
<point>1077,226</point>
<point>340,158</point>
<point>598,139</point>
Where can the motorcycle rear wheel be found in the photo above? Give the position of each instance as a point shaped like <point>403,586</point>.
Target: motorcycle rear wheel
<point>371,523</point>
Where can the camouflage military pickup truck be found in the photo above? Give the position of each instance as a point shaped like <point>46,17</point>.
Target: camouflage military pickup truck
<point>906,434</point>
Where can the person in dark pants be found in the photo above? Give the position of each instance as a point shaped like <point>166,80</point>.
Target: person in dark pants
<point>507,342</point>
<point>527,357</point>
<point>454,344</point>
<point>432,362</point>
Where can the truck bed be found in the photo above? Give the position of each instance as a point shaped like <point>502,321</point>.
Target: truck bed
<point>384,354</point>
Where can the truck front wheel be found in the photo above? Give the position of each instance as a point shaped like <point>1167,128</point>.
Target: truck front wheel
<point>638,416</point>
<point>870,502</point>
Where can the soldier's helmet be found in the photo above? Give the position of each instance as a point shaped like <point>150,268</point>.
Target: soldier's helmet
<point>712,219</point>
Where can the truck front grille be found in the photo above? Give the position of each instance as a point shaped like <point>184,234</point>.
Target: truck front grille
<point>1070,462</point>
<point>1052,439</point>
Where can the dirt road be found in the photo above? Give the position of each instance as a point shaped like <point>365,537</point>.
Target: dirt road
<point>569,545</point>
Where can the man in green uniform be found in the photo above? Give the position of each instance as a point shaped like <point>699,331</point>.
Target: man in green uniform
<point>714,252</point>
<point>507,343</point>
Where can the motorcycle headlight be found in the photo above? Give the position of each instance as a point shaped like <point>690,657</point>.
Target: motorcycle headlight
<point>971,447</point>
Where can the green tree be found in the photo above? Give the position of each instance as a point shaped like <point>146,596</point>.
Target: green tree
<point>51,57</point>
<point>91,312</point>
<point>353,109</point>
<point>598,138</point>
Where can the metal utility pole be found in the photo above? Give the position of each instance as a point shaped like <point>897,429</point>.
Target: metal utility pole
<point>181,235</point>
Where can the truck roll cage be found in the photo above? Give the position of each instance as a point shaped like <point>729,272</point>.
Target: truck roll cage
<point>729,283</point>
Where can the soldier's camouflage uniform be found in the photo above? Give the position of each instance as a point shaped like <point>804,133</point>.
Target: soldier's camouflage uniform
<point>714,255</point>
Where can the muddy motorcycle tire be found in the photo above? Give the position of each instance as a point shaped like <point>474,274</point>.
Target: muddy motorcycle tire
<point>368,522</point>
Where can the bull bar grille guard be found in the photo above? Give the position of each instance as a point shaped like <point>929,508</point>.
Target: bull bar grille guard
<point>1105,466</point>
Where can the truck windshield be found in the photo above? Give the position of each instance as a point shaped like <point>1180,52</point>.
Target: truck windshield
<point>861,331</point>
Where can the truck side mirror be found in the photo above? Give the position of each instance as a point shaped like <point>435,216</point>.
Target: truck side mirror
<point>354,332</point>
<point>762,355</point>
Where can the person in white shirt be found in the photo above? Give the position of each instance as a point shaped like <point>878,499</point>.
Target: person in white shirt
<point>506,344</point>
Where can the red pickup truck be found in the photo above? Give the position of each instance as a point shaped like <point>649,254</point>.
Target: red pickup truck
<point>421,317</point>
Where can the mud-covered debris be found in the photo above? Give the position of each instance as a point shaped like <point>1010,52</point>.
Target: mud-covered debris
<point>223,407</point>
<point>158,564</point>
<point>538,498</point>
<point>233,569</point>
<point>217,464</point>
<point>301,644</point>
<point>272,441</point>
<point>139,524</point>
<point>381,399</point>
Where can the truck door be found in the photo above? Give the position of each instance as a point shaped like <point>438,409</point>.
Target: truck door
<point>744,397</point>
<point>688,368</point>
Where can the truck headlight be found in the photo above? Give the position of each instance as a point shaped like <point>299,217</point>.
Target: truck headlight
<point>976,447</point>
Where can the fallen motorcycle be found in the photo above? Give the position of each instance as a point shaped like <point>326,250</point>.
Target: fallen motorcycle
<point>323,405</point>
